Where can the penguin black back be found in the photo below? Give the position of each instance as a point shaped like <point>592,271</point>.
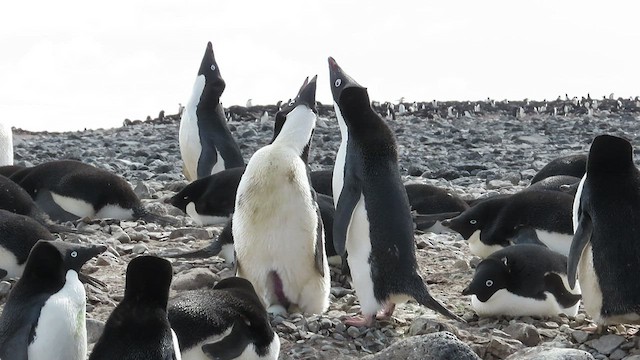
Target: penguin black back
<point>572,165</point>
<point>138,327</point>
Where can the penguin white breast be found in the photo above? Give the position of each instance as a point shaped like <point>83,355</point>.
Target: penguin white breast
<point>228,254</point>
<point>337,181</point>
<point>576,203</point>
<point>359,249</point>
<point>74,206</point>
<point>204,219</point>
<point>114,212</point>
<point>189,133</point>
<point>503,302</point>
<point>61,332</point>
<point>9,263</point>
<point>558,242</point>
<point>176,347</point>
<point>480,249</point>
<point>249,353</point>
<point>6,145</point>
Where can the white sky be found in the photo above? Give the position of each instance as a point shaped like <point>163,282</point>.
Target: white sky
<point>67,65</point>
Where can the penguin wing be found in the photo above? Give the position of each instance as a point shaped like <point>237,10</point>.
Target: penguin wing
<point>319,250</point>
<point>526,235</point>
<point>208,159</point>
<point>581,238</point>
<point>232,345</point>
<point>19,326</point>
<point>349,197</point>
<point>553,283</point>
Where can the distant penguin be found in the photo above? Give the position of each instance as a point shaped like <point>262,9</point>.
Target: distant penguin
<point>6,145</point>
<point>226,322</point>
<point>605,252</point>
<point>564,183</point>
<point>67,190</point>
<point>18,234</point>
<point>138,328</point>
<point>15,199</point>
<point>44,316</point>
<point>430,199</point>
<point>264,118</point>
<point>206,143</point>
<point>277,228</point>
<point>523,280</point>
<point>373,222</point>
<point>539,217</point>
<point>572,165</point>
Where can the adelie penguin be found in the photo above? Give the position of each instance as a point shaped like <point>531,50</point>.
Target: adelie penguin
<point>226,322</point>
<point>138,328</point>
<point>277,227</point>
<point>373,222</point>
<point>605,252</point>
<point>539,217</point>
<point>206,143</point>
<point>68,190</point>
<point>571,165</point>
<point>44,317</point>
<point>523,280</point>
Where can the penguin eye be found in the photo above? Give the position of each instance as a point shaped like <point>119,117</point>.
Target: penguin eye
<point>473,222</point>
<point>74,254</point>
<point>338,82</point>
<point>186,197</point>
<point>292,102</point>
<point>489,283</point>
<point>213,67</point>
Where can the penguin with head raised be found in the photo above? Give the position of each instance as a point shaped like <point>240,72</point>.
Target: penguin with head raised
<point>523,280</point>
<point>68,190</point>
<point>605,250</point>
<point>138,328</point>
<point>206,143</point>
<point>277,226</point>
<point>44,316</point>
<point>373,222</point>
<point>226,322</point>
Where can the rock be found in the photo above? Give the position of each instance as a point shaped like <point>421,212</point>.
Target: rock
<point>197,233</point>
<point>437,346</point>
<point>94,330</point>
<point>546,353</point>
<point>424,325</point>
<point>194,279</point>
<point>525,333</point>
<point>5,288</point>
<point>606,344</point>
<point>580,336</point>
<point>502,347</point>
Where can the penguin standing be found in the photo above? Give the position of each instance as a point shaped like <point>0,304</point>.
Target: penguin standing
<point>138,328</point>
<point>277,228</point>
<point>44,317</point>
<point>226,322</point>
<point>523,280</point>
<point>373,220</point>
<point>6,145</point>
<point>67,190</point>
<point>605,251</point>
<point>206,143</point>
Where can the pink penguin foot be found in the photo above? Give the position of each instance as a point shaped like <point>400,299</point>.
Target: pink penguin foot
<point>386,312</point>
<point>359,321</point>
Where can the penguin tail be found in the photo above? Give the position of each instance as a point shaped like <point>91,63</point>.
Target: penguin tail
<point>144,214</point>
<point>203,253</point>
<point>87,279</point>
<point>425,299</point>
<point>55,228</point>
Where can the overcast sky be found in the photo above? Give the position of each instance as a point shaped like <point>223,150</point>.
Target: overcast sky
<point>67,65</point>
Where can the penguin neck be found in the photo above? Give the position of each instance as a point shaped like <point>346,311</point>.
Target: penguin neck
<point>297,129</point>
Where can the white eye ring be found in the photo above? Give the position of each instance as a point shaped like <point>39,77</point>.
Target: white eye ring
<point>473,221</point>
<point>489,283</point>
<point>74,254</point>
<point>292,102</point>
<point>338,82</point>
<point>186,197</point>
<point>213,67</point>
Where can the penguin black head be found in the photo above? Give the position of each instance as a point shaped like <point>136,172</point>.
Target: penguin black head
<point>340,81</point>
<point>475,218</point>
<point>214,84</point>
<point>148,281</point>
<point>610,154</point>
<point>190,193</point>
<point>491,275</point>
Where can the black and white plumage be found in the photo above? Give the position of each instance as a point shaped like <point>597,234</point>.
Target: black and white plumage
<point>571,165</point>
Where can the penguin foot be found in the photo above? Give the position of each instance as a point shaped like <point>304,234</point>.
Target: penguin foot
<point>277,309</point>
<point>386,312</point>
<point>360,321</point>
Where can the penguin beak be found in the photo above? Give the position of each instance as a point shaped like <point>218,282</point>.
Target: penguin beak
<point>86,253</point>
<point>467,291</point>
<point>446,223</point>
<point>339,80</point>
<point>307,94</point>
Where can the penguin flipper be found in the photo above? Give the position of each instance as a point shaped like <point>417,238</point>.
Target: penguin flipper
<point>3,273</point>
<point>231,346</point>
<point>206,162</point>
<point>319,255</point>
<point>349,197</point>
<point>553,284</point>
<point>527,235</point>
<point>45,201</point>
<point>581,238</point>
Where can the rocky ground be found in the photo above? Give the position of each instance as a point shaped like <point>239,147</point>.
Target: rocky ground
<point>471,155</point>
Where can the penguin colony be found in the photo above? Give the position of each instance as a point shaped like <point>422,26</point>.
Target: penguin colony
<point>543,249</point>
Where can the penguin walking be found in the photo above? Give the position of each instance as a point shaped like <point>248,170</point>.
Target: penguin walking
<point>539,217</point>
<point>138,328</point>
<point>226,322</point>
<point>605,250</point>
<point>523,280</point>
<point>206,143</point>
<point>277,227</point>
<point>6,145</point>
<point>67,190</point>
<point>44,317</point>
<point>373,220</point>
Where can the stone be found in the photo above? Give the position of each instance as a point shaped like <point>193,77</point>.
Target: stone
<point>437,346</point>
<point>196,278</point>
<point>525,333</point>
<point>546,353</point>
<point>5,288</point>
<point>197,233</point>
<point>502,347</point>
<point>606,344</point>
<point>94,330</point>
<point>580,336</point>
<point>424,325</point>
